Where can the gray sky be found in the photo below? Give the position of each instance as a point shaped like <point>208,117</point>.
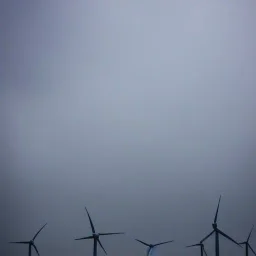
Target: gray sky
<point>143,111</point>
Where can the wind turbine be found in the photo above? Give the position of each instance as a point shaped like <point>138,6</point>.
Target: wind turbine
<point>218,232</point>
<point>151,246</point>
<point>96,236</point>
<point>201,248</point>
<point>247,245</point>
<point>31,242</point>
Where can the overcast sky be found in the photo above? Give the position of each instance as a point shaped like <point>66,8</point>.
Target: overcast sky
<point>143,111</point>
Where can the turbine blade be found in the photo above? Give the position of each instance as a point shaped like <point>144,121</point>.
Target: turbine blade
<point>217,211</point>
<point>205,252</point>
<point>106,234</point>
<point>193,245</point>
<point>164,243</point>
<point>207,237</point>
<point>18,242</point>
<point>250,234</point>
<point>252,250</point>
<point>228,237</point>
<point>83,238</point>
<point>101,246</point>
<point>142,242</point>
<point>93,229</point>
<point>39,231</point>
<point>36,249</point>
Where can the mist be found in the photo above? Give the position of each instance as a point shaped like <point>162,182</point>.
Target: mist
<point>142,111</point>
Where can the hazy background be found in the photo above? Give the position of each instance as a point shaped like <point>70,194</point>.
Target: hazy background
<point>144,111</point>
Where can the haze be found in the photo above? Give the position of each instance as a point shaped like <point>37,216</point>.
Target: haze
<point>142,111</point>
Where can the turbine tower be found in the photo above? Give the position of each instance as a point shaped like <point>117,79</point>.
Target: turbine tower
<point>201,245</point>
<point>247,245</point>
<point>96,236</point>
<point>218,232</point>
<point>31,242</point>
<point>151,246</point>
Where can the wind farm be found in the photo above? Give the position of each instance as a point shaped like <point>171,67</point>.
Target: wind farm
<point>203,252</point>
<point>139,114</point>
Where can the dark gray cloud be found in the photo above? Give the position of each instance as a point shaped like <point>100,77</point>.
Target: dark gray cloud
<point>142,111</point>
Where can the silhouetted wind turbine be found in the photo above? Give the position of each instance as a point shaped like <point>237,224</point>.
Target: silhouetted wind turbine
<point>96,236</point>
<point>201,245</point>
<point>151,246</point>
<point>31,242</point>
<point>217,233</point>
<point>247,245</point>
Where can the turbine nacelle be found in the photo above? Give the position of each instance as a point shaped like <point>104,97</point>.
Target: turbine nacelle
<point>151,245</point>
<point>96,235</point>
<point>214,225</point>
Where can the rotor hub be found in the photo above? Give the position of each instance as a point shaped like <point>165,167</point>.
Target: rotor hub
<point>96,235</point>
<point>214,225</point>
